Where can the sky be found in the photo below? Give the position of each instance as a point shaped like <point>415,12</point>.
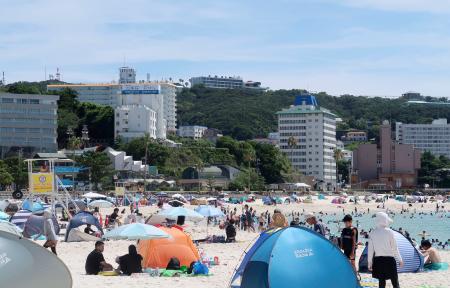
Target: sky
<point>360,47</point>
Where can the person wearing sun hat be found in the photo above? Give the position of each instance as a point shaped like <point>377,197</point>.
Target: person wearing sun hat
<point>383,252</point>
<point>318,226</point>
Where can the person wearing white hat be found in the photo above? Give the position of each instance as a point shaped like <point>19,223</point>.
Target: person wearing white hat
<point>383,252</point>
<point>318,226</point>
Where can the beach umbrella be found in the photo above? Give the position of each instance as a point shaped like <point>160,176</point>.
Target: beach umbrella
<point>161,194</point>
<point>301,185</point>
<point>174,213</point>
<point>101,204</point>
<point>4,216</point>
<point>10,228</point>
<point>24,263</point>
<point>178,196</point>
<point>135,231</point>
<point>175,203</point>
<point>94,195</point>
<point>209,211</point>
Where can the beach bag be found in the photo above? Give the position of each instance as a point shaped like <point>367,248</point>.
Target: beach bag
<point>174,264</point>
<point>200,269</point>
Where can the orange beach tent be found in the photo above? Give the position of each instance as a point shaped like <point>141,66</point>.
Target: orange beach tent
<point>157,252</point>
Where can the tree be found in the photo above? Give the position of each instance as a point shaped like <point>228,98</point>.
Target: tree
<point>271,162</point>
<point>434,171</point>
<point>18,170</point>
<point>242,180</point>
<point>5,177</point>
<point>99,166</point>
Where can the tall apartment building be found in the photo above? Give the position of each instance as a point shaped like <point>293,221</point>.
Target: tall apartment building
<point>193,131</point>
<point>133,121</point>
<point>218,82</point>
<point>28,122</point>
<point>434,137</point>
<point>307,135</point>
<point>386,165</point>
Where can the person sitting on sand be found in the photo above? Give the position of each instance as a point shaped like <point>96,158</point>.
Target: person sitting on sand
<point>88,230</point>
<point>130,263</point>
<point>95,262</point>
<point>114,217</point>
<point>433,260</point>
<point>319,227</point>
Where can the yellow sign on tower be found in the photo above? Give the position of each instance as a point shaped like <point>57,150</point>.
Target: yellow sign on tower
<point>42,182</point>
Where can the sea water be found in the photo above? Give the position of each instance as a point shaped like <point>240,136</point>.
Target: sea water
<point>436,225</point>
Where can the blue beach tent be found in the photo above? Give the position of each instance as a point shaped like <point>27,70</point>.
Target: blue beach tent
<point>294,257</point>
<point>413,260</point>
<point>82,218</point>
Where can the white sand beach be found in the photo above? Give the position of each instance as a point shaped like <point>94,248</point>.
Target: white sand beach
<point>74,254</point>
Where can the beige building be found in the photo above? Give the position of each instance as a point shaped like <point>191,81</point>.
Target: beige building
<point>386,165</point>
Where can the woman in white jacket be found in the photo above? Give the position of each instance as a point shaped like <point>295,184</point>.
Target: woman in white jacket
<point>383,252</point>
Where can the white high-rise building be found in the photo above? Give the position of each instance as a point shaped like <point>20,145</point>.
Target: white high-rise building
<point>149,96</point>
<point>307,135</point>
<point>133,121</point>
<point>127,75</point>
<point>434,137</point>
<point>169,92</point>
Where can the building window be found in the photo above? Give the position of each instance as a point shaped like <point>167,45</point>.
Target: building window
<point>7,100</point>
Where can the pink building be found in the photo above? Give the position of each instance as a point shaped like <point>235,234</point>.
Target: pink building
<point>386,165</point>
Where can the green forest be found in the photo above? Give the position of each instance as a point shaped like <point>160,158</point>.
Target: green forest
<point>246,114</point>
<point>242,114</point>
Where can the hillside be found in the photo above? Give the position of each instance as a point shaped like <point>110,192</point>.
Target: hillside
<point>246,114</point>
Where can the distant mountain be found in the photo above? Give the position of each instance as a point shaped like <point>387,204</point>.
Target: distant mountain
<point>246,114</point>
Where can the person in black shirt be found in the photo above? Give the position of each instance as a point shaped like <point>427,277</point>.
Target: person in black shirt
<point>230,230</point>
<point>130,263</point>
<point>349,240</point>
<point>95,261</point>
<point>113,217</point>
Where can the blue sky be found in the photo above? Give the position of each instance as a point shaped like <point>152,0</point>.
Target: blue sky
<point>362,47</point>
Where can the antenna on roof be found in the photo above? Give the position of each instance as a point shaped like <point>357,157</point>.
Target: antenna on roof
<point>3,79</point>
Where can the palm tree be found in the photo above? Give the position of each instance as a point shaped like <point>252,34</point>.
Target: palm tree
<point>338,155</point>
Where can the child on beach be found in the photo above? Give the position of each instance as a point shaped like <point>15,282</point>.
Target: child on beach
<point>349,239</point>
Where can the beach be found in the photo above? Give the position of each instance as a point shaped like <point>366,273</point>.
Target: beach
<point>74,253</point>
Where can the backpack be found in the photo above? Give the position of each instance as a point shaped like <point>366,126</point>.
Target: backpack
<point>200,269</point>
<point>174,264</point>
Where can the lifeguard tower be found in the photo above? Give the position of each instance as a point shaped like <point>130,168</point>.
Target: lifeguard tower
<point>44,182</point>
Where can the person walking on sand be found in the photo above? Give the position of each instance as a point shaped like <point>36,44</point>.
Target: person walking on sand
<point>383,252</point>
<point>49,232</point>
